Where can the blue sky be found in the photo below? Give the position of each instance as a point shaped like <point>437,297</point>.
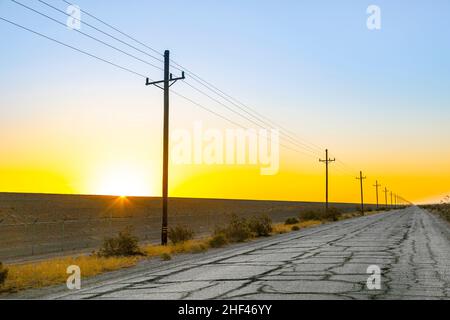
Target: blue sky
<point>310,65</point>
<point>295,51</point>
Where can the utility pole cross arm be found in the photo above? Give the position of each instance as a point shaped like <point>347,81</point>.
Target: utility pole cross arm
<point>171,79</point>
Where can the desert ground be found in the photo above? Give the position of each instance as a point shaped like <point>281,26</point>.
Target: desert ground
<point>37,225</point>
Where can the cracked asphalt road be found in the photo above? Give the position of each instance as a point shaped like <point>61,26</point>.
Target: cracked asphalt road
<point>411,246</point>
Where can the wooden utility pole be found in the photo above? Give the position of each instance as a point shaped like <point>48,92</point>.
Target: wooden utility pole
<point>361,178</point>
<point>376,187</point>
<point>385,196</point>
<point>391,199</point>
<point>167,83</point>
<point>327,161</point>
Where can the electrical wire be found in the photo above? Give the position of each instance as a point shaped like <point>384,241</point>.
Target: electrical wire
<point>74,48</point>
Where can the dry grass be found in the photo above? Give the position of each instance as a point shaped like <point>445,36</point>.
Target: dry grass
<point>52,272</point>
<point>285,228</point>
<point>190,246</point>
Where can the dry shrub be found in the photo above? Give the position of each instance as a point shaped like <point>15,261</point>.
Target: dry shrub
<point>291,221</point>
<point>218,240</point>
<point>180,234</point>
<point>241,229</point>
<point>125,244</point>
<point>260,226</point>
<point>332,214</point>
<point>310,215</point>
<point>237,230</point>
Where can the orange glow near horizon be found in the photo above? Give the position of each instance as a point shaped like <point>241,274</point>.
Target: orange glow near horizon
<point>97,158</point>
<point>299,179</point>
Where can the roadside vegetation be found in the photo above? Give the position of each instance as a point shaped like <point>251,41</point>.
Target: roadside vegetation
<point>180,234</point>
<point>124,250</point>
<point>241,229</point>
<point>442,210</point>
<point>51,272</point>
<point>332,214</point>
<point>124,245</point>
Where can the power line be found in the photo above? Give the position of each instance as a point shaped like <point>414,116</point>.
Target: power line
<point>87,35</point>
<point>309,147</point>
<point>227,97</point>
<point>229,120</point>
<point>292,140</point>
<point>313,148</point>
<point>109,62</point>
<point>59,42</point>
<point>344,169</point>
<point>195,77</point>
<point>232,110</point>
<point>258,117</point>
<point>103,32</point>
<point>128,70</point>
<point>116,29</point>
<point>205,108</point>
<point>287,137</point>
<point>73,48</point>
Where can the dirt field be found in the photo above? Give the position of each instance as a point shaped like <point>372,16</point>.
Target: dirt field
<point>37,224</point>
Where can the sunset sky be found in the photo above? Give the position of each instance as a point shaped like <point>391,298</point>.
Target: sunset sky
<point>379,100</point>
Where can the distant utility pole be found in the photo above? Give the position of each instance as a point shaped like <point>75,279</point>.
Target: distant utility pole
<point>167,83</point>
<point>377,186</point>
<point>391,200</point>
<point>361,178</point>
<point>385,195</point>
<point>327,161</point>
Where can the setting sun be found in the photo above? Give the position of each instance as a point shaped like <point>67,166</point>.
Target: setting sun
<point>123,181</point>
